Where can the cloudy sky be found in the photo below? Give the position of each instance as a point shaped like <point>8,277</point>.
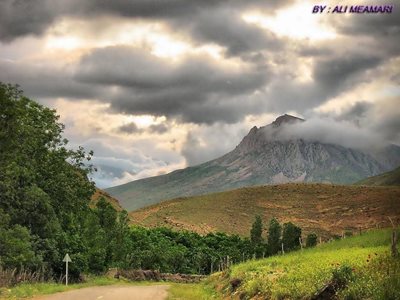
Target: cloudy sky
<point>156,85</point>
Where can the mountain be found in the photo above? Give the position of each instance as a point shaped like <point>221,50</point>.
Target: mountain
<point>388,178</point>
<point>322,208</point>
<point>265,156</point>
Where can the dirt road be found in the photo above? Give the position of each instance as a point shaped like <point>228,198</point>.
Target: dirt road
<point>112,292</point>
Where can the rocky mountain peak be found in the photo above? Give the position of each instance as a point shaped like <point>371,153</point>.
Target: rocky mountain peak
<point>286,119</point>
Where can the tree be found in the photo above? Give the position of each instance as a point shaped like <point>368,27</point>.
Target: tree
<point>44,185</point>
<point>256,231</point>
<point>122,243</point>
<point>274,236</point>
<point>291,235</point>
<point>16,249</point>
<point>311,240</point>
<point>107,217</point>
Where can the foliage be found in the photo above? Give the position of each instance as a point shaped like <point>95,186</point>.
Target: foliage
<point>274,236</point>
<point>191,292</point>
<point>311,240</point>
<point>342,275</point>
<point>363,262</point>
<point>256,231</point>
<point>45,193</point>
<point>184,252</point>
<point>291,235</point>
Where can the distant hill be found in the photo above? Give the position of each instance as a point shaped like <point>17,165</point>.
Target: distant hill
<point>322,208</point>
<point>264,156</point>
<point>388,178</point>
<point>100,193</point>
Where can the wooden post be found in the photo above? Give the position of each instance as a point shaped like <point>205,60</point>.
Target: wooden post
<point>395,253</point>
<point>395,237</point>
<point>283,251</point>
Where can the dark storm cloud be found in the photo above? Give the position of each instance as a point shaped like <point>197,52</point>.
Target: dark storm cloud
<point>129,128</point>
<point>356,112</point>
<point>132,128</point>
<point>225,27</point>
<point>46,80</point>
<point>19,18</point>
<point>197,89</point>
<point>332,75</point>
<point>215,21</point>
<point>158,128</point>
<point>383,30</point>
<point>385,25</point>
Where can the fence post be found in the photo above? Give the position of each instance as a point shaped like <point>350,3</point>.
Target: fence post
<point>394,251</point>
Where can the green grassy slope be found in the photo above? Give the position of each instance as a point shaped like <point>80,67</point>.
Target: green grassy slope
<point>388,178</point>
<point>363,260</point>
<point>322,208</point>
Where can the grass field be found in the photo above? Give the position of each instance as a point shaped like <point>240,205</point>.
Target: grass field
<point>198,291</point>
<point>364,262</point>
<point>322,208</point>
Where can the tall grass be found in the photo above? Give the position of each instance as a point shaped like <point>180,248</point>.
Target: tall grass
<point>301,274</point>
<point>10,277</point>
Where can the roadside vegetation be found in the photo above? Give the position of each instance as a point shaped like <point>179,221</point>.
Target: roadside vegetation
<point>27,290</point>
<point>359,267</point>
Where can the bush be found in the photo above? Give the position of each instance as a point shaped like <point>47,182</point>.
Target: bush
<point>311,240</point>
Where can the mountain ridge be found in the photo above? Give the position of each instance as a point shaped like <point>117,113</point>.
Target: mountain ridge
<point>385,179</point>
<point>262,157</point>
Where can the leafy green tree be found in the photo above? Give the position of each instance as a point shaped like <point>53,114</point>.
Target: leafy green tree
<point>256,237</point>
<point>16,249</point>
<point>311,240</point>
<point>122,243</point>
<point>44,185</point>
<point>274,236</point>
<point>291,236</point>
<point>256,231</point>
<point>107,217</point>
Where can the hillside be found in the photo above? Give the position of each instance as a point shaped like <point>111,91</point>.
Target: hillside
<point>264,156</point>
<point>388,178</point>
<point>100,193</point>
<point>322,208</point>
<point>363,263</point>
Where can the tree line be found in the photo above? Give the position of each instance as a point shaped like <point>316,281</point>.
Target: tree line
<point>45,194</point>
<point>280,239</point>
